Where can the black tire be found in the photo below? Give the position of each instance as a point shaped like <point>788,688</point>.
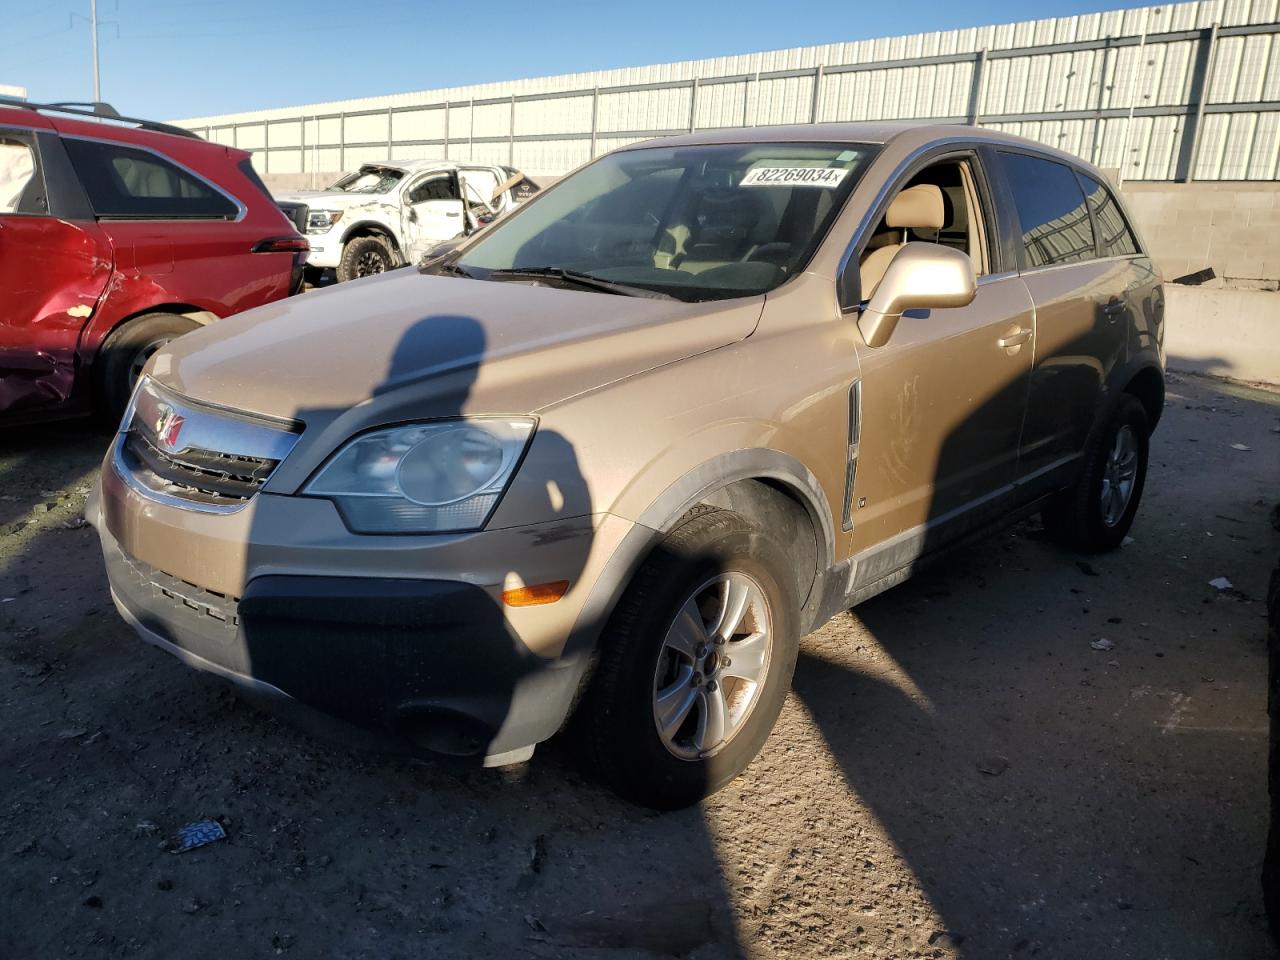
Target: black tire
<point>364,257</point>
<point>125,351</point>
<point>1076,517</point>
<point>618,717</point>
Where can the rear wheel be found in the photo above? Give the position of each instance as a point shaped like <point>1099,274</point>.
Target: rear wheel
<point>126,351</point>
<point>1095,513</point>
<point>364,257</point>
<point>695,664</point>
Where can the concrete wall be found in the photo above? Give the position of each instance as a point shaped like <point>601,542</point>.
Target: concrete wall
<point>291,182</point>
<point>1232,227</point>
<point>1227,333</point>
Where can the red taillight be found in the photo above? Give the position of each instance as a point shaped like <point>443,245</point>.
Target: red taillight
<point>294,244</point>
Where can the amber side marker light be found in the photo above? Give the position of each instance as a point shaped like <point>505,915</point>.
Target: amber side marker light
<point>537,594</point>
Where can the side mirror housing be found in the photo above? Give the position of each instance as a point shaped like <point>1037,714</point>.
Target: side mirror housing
<point>921,276</point>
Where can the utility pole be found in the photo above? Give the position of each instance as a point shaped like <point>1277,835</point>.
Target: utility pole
<point>93,32</point>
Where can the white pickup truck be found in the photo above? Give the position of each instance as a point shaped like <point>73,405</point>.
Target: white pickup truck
<point>385,215</point>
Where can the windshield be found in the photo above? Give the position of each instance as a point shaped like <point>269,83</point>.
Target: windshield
<point>703,222</point>
<point>369,179</point>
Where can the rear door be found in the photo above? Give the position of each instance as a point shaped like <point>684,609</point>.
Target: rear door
<point>1082,315</point>
<point>178,236</point>
<point>54,266</point>
<point>431,211</point>
<point>481,185</point>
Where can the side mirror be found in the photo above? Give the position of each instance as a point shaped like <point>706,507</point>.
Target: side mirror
<point>920,276</point>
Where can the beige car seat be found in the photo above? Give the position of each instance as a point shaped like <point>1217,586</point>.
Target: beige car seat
<point>916,208</point>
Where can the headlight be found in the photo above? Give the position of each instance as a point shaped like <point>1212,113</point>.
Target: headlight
<point>446,475</point>
<point>320,221</point>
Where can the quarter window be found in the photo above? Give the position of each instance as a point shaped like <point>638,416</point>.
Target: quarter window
<point>1056,227</point>
<point>21,185</point>
<point>1114,236</point>
<point>128,184</point>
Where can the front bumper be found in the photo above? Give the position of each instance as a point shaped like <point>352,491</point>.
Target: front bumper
<point>404,636</point>
<point>326,250</point>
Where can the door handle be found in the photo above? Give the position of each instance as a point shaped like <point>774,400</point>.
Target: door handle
<point>452,213</point>
<point>1021,336</point>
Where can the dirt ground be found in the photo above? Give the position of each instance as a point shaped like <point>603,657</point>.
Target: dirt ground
<point>959,773</point>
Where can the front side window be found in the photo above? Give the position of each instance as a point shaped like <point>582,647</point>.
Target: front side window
<point>21,185</point>
<point>432,188</point>
<point>124,183</point>
<point>369,179</point>
<point>937,205</point>
<point>704,222</point>
<point>1114,236</point>
<point>1056,227</point>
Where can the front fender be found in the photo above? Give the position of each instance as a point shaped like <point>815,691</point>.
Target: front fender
<point>376,223</point>
<point>675,499</point>
<point>751,463</point>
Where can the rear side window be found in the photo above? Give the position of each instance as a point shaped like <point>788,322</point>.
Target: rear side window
<point>124,183</point>
<point>1114,236</point>
<point>21,183</point>
<point>1055,220</point>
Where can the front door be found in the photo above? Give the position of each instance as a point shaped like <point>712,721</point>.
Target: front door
<point>52,273</point>
<point>432,213</point>
<point>942,402</point>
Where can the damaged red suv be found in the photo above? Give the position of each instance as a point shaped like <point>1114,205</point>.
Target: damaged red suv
<point>116,236</point>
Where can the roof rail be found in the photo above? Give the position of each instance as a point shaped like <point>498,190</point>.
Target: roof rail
<point>98,111</point>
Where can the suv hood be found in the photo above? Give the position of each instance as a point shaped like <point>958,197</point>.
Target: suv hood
<point>406,344</point>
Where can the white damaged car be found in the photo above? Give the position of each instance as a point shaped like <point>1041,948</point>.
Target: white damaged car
<point>385,215</point>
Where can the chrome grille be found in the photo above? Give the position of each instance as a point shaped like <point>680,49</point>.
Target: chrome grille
<point>171,448</point>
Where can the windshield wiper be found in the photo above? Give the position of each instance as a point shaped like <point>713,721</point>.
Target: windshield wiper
<point>585,280</point>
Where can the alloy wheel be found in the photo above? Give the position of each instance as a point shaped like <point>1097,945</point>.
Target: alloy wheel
<point>712,666</point>
<point>1119,475</point>
<point>370,263</point>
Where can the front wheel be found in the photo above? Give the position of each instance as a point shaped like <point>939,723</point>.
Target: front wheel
<point>695,664</point>
<point>364,257</point>
<point>1095,513</point>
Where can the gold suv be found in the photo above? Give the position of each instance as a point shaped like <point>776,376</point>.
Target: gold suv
<point>609,459</point>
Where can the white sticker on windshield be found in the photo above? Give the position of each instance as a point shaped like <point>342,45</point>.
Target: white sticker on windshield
<point>794,177</point>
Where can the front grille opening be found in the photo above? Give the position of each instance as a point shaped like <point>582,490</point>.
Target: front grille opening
<point>202,476</point>
<point>187,596</point>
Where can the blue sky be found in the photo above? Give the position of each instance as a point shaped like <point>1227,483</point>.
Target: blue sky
<point>167,59</point>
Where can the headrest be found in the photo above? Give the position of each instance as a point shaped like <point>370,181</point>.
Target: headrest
<point>917,208</point>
